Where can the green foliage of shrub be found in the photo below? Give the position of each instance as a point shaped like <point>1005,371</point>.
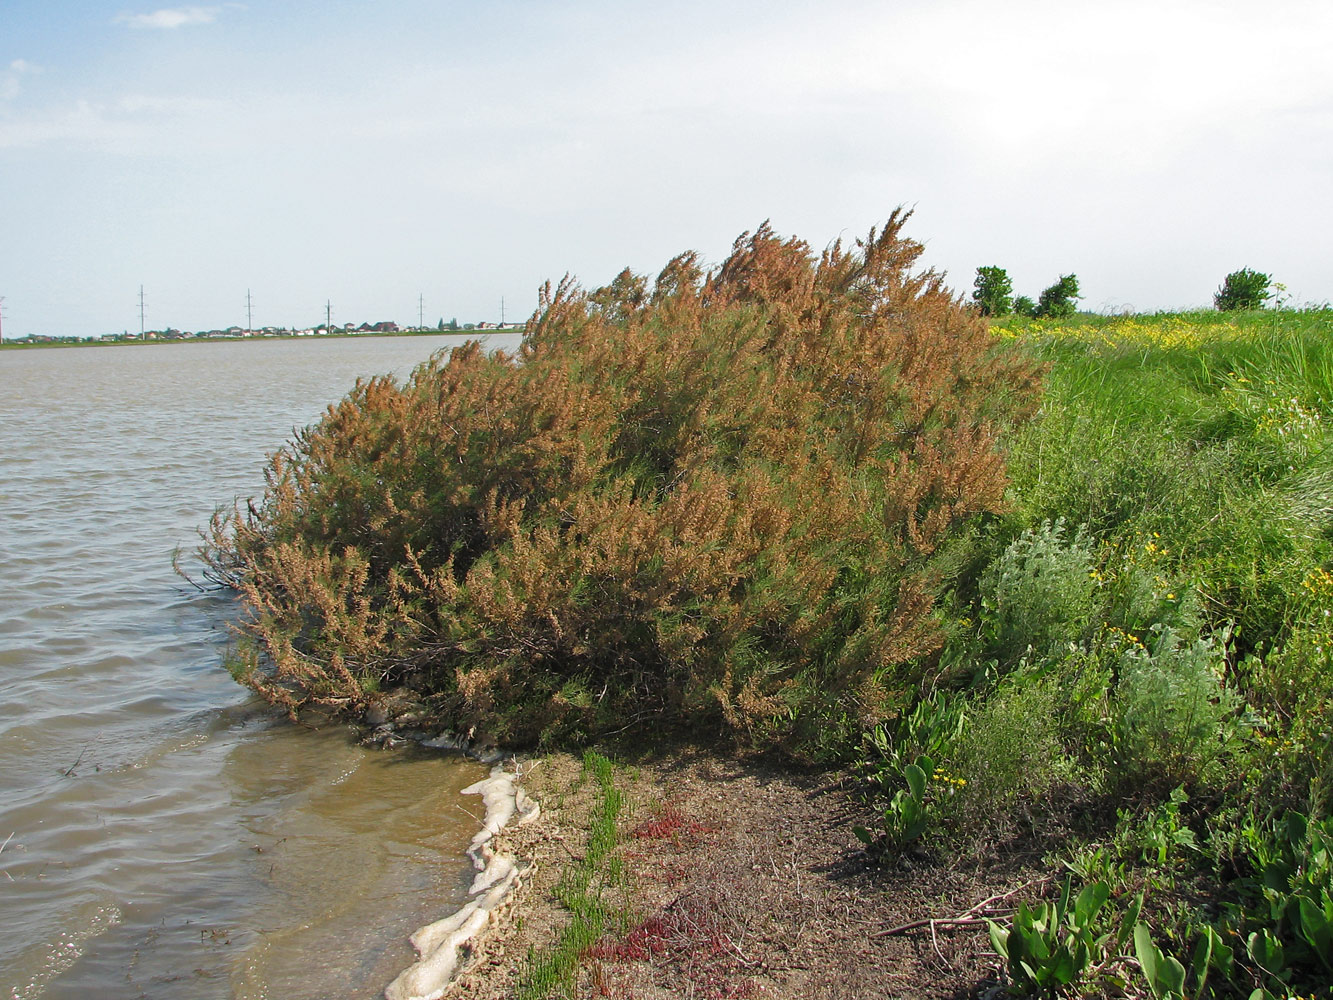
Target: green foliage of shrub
<point>1039,593</point>
<point>1172,712</point>
<point>993,291</point>
<point>1059,299</point>
<point>1007,760</point>
<point>1243,289</point>
<point>1183,681</point>
<point>728,498</point>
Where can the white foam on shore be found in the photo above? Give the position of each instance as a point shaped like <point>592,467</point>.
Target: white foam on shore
<point>443,945</point>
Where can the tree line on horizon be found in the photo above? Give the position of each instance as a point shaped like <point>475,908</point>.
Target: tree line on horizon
<point>993,292</point>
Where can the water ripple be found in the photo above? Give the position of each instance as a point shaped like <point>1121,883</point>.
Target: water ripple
<point>166,830</point>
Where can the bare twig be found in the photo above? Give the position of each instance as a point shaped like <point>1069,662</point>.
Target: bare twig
<point>967,918</point>
<point>69,771</point>
<point>2,851</point>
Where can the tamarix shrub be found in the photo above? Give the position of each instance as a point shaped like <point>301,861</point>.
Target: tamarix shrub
<point>729,496</point>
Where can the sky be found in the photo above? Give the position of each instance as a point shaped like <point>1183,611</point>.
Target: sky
<point>431,158</point>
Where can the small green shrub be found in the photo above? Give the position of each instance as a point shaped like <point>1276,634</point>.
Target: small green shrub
<point>1293,865</point>
<point>1243,289</point>
<point>1039,593</point>
<point>1167,977</point>
<point>907,814</point>
<point>1051,946</point>
<point>1161,835</point>
<point>930,729</point>
<point>1171,711</point>
<point>1007,760</point>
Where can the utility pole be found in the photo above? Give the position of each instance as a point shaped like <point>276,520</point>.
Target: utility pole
<point>328,315</point>
<point>502,310</point>
<point>141,311</point>
<point>249,318</point>
<point>421,313</point>
<point>2,319</point>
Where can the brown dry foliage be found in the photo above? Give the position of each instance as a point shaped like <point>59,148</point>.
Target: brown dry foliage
<point>729,495</point>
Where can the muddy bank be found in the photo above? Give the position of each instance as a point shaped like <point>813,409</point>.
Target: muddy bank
<point>738,879</point>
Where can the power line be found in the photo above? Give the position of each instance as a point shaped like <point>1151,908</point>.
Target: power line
<point>141,313</point>
<point>249,318</point>
<point>421,310</point>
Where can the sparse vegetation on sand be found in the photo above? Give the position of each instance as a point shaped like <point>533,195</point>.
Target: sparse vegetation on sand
<point>1055,588</point>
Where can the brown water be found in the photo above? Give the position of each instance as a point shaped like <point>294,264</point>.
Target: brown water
<point>164,834</point>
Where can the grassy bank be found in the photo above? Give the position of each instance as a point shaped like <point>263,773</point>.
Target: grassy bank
<point>1052,588</point>
<point>1138,675</point>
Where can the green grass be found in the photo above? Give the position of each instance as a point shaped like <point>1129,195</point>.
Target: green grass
<point>580,891</point>
<point>1193,691</point>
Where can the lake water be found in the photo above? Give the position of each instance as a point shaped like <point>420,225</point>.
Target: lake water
<point>164,833</point>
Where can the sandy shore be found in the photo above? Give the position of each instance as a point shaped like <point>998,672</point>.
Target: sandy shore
<point>737,879</point>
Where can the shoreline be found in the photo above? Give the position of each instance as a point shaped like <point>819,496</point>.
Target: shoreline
<point>9,345</point>
<point>733,877</point>
<point>443,946</point>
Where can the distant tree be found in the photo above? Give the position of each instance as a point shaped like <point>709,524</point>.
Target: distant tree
<point>452,325</point>
<point>440,324</point>
<point>1059,299</point>
<point>993,291</point>
<point>1243,289</point>
<point>1024,306</point>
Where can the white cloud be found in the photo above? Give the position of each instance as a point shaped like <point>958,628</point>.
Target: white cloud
<point>171,17</point>
<point>11,79</point>
<point>126,125</point>
<point>86,124</point>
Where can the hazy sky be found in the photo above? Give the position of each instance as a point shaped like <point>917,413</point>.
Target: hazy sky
<point>371,153</point>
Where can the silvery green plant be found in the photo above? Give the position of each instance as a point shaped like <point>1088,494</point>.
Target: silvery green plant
<point>1039,593</point>
<point>1171,708</point>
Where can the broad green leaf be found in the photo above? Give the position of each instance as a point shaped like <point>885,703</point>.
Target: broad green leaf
<point>1297,827</point>
<point>1147,954</point>
<point>916,781</point>
<point>1203,956</point>
<point>1316,930</point>
<point>1129,923</point>
<point>1062,968</point>
<point>1171,977</point>
<point>1090,900</point>
<point>1266,951</point>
